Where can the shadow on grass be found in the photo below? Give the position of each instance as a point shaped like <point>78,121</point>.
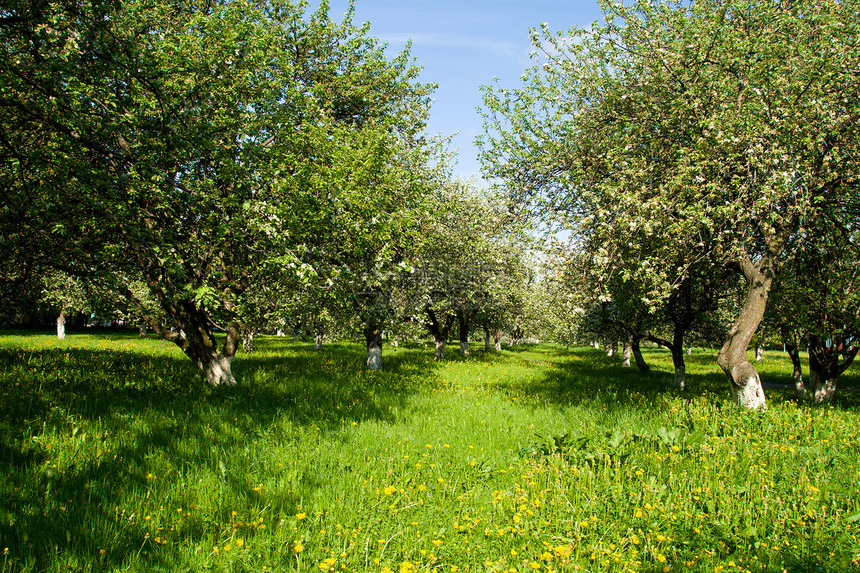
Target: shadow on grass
<point>577,375</point>
<point>124,406</point>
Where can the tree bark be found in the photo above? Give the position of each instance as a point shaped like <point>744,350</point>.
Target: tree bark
<point>497,338</point>
<point>637,356</point>
<point>141,330</point>
<point>439,331</point>
<point>759,352</point>
<point>373,337</point>
<point>318,340</point>
<point>743,378</point>
<point>828,358</point>
<point>61,324</point>
<point>791,348</point>
<point>680,380</point>
<point>248,340</point>
<point>626,352</point>
<point>486,339</point>
<point>464,321</point>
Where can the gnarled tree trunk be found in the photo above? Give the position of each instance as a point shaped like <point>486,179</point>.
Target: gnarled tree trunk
<point>828,358</point>
<point>743,378</point>
<point>637,356</point>
<point>439,331</point>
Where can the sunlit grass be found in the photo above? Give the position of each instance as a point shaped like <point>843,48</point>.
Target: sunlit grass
<point>115,456</point>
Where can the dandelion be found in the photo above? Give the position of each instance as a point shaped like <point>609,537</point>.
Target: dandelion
<point>390,490</point>
<point>301,516</point>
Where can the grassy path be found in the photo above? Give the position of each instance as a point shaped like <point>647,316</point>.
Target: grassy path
<point>115,457</point>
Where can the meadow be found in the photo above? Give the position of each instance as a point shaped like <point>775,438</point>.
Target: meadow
<point>114,456</point>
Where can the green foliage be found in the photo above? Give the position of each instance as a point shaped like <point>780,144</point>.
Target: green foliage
<point>212,150</point>
<point>111,460</point>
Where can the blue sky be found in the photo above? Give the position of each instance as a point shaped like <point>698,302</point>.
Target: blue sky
<point>463,44</point>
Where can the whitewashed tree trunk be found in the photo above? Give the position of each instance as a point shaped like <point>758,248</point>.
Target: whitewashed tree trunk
<point>464,347</point>
<point>743,378</point>
<point>61,324</point>
<point>596,345</point>
<point>248,341</point>
<point>219,370</point>
<point>759,352</point>
<point>318,340</point>
<point>625,354</point>
<point>823,387</point>
<point>374,358</point>
<point>689,350</point>
<point>141,330</point>
<point>440,350</point>
<point>373,337</point>
<point>498,345</point>
<point>747,390</point>
<point>680,377</point>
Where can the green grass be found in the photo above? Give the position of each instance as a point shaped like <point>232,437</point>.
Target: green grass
<point>114,456</point>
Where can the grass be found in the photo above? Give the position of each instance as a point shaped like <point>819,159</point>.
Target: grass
<point>114,456</point>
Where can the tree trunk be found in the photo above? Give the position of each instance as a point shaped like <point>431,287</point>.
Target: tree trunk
<point>626,352</point>
<point>743,378</point>
<point>486,339</point>
<point>218,370</point>
<point>680,368</point>
<point>61,324</point>
<point>464,320</point>
<point>141,330</point>
<point>497,338</point>
<point>759,352</point>
<point>318,340</point>
<point>201,346</point>
<point>791,348</point>
<point>637,356</point>
<point>373,337</point>
<point>248,340</point>
<point>610,348</point>
<point>828,358</point>
<point>439,331</point>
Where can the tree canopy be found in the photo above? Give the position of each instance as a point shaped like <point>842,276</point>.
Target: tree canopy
<point>205,147</point>
<point>677,133</point>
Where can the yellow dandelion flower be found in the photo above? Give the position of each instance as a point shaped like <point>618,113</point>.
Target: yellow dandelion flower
<point>301,516</point>
<point>298,547</point>
<point>390,490</point>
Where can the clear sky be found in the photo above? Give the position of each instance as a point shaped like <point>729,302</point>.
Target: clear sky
<point>463,44</point>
